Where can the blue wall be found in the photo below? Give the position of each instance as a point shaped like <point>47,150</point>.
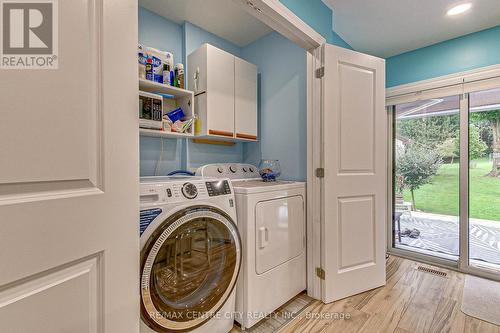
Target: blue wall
<point>317,15</point>
<point>455,55</point>
<point>282,104</point>
<point>158,32</point>
<point>281,101</point>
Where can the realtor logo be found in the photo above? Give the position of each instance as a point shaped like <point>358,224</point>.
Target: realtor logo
<point>29,34</point>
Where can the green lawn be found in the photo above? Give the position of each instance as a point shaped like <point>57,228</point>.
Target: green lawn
<point>441,195</point>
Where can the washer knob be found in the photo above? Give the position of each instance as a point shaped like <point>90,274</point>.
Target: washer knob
<point>251,169</point>
<point>232,168</point>
<point>220,170</point>
<point>189,190</point>
<point>245,169</point>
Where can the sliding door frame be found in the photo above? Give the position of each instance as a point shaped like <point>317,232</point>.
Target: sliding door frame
<point>463,192</point>
<point>461,84</point>
<point>486,83</point>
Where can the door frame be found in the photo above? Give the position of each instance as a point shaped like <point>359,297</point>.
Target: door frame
<point>455,84</point>
<point>281,19</point>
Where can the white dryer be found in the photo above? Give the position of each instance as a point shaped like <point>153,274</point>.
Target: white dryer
<point>190,255</point>
<point>272,224</point>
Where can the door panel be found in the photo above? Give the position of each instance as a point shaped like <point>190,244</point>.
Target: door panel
<point>355,182</point>
<point>357,232</point>
<point>45,298</point>
<point>279,232</point>
<point>66,104</point>
<point>69,179</point>
<point>356,113</point>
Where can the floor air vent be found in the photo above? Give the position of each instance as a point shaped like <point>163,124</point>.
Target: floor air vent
<point>432,271</point>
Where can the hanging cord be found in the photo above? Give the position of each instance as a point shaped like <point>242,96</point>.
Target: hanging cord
<point>160,158</point>
<point>181,172</point>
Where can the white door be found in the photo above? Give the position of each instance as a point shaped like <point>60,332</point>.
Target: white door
<point>245,99</point>
<point>69,243</point>
<point>355,182</point>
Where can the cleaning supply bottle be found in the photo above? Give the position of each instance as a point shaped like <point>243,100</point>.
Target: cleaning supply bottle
<point>176,77</point>
<point>197,124</point>
<point>179,68</point>
<point>166,74</point>
<point>149,69</point>
<point>172,78</point>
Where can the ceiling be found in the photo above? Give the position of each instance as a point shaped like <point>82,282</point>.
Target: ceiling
<point>223,18</point>
<point>388,27</point>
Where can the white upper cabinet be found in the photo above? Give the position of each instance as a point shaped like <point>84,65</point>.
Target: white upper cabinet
<point>225,90</point>
<point>245,102</point>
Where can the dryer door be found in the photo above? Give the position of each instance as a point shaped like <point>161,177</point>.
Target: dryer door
<point>189,267</point>
<point>280,232</point>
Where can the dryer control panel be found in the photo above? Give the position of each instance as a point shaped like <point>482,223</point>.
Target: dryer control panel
<point>229,170</point>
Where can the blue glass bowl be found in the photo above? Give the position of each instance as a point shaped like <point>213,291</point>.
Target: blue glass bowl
<point>269,170</point>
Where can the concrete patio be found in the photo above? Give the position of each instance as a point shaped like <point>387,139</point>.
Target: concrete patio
<point>439,234</point>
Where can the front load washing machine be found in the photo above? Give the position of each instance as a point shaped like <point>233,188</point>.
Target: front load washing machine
<point>272,224</point>
<point>190,255</point>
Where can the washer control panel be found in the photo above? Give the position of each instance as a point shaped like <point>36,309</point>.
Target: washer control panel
<point>156,189</point>
<point>189,190</point>
<point>229,170</point>
<point>219,187</point>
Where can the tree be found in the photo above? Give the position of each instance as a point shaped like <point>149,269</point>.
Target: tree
<point>448,149</point>
<point>417,165</point>
<point>429,131</point>
<point>493,118</point>
<point>477,146</point>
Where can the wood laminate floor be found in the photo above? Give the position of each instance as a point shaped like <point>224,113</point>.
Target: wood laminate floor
<point>411,301</point>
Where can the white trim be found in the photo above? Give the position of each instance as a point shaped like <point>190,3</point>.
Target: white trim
<point>483,84</point>
<point>281,19</point>
<point>444,81</point>
<point>452,90</point>
<point>390,228</point>
<point>314,146</point>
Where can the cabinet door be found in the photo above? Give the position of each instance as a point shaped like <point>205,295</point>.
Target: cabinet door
<point>197,63</point>
<point>220,92</point>
<point>245,103</point>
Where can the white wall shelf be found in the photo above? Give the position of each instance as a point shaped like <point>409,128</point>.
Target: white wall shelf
<point>159,88</point>
<point>164,134</point>
<point>173,98</point>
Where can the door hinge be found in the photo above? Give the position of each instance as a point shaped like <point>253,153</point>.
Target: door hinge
<point>320,172</point>
<point>320,272</point>
<point>320,72</point>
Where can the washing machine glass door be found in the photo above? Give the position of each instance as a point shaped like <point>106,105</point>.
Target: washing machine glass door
<point>189,267</point>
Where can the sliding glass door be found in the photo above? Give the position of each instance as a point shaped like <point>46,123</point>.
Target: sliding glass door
<point>446,179</point>
<point>426,177</point>
<point>484,179</point>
